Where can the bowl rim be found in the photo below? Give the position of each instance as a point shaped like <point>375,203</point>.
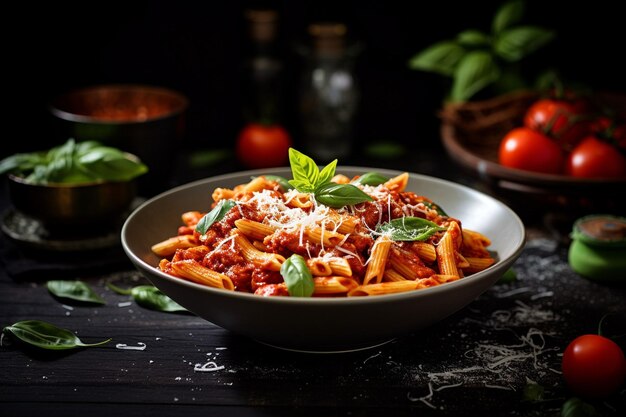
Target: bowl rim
<point>57,111</point>
<point>449,286</point>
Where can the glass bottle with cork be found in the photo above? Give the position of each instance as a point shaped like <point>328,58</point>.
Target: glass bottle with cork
<point>263,90</point>
<point>329,94</point>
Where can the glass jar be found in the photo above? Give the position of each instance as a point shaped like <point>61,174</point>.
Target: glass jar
<point>329,93</point>
<point>263,72</point>
<point>598,248</point>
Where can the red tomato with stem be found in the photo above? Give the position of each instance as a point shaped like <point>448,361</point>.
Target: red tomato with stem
<point>594,158</point>
<point>263,146</point>
<point>530,150</point>
<point>565,121</point>
<point>593,366</point>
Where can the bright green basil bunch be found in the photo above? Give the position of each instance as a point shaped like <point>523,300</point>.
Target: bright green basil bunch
<point>475,59</point>
<point>74,163</point>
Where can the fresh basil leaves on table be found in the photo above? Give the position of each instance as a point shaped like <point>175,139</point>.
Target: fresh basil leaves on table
<point>151,297</point>
<point>45,335</point>
<point>74,290</point>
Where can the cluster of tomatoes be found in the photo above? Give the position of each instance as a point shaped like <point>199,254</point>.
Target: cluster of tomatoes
<point>567,137</point>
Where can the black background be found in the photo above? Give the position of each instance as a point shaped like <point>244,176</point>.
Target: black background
<point>198,48</point>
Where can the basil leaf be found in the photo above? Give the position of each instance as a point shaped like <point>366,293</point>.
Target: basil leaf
<point>119,290</point>
<point>111,164</point>
<point>46,335</point>
<point>371,178</point>
<point>326,174</point>
<point>507,15</point>
<point>435,207</point>
<point>339,195</point>
<point>74,290</point>
<point>151,297</point>
<point>409,229</point>
<point>514,44</point>
<point>214,215</point>
<point>575,407</point>
<point>75,163</point>
<point>21,162</point>
<point>473,38</point>
<point>476,70</point>
<point>302,186</point>
<point>297,276</point>
<point>284,184</point>
<point>442,57</point>
<point>304,170</point>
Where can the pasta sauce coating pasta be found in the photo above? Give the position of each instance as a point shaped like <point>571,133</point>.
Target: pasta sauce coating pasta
<point>355,250</point>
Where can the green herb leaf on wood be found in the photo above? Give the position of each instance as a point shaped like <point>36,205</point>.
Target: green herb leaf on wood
<point>150,297</point>
<point>46,335</point>
<point>74,290</point>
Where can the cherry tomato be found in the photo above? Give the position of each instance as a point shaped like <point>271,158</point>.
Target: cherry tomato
<point>594,158</point>
<point>527,149</point>
<point>593,366</point>
<point>263,146</point>
<point>563,120</point>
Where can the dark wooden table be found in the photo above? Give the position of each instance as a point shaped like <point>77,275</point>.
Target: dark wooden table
<point>479,361</point>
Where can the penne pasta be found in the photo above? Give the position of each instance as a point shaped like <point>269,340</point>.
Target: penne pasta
<point>446,259</point>
<point>169,246</point>
<point>329,286</point>
<point>266,260</point>
<point>377,261</point>
<point>254,230</point>
<point>343,252</point>
<point>193,271</point>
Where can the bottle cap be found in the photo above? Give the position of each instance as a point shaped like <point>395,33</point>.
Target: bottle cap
<point>600,230</point>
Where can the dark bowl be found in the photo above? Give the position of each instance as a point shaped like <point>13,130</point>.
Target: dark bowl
<point>95,205</point>
<point>144,120</point>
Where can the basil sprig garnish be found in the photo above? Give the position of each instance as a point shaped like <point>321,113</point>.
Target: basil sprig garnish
<point>307,178</point>
<point>306,174</point>
<point>215,215</point>
<point>46,335</point>
<point>74,290</point>
<point>371,178</point>
<point>409,229</point>
<point>150,297</point>
<point>297,276</point>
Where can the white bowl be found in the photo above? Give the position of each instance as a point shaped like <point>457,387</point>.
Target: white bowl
<point>323,324</point>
